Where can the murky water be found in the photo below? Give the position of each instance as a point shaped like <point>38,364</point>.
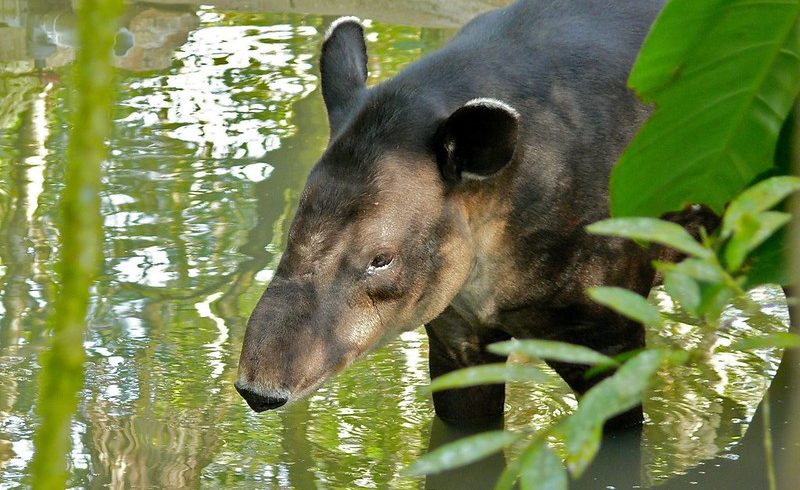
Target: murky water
<point>218,120</point>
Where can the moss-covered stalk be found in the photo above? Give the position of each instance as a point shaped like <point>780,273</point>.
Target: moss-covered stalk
<point>792,455</point>
<point>61,377</point>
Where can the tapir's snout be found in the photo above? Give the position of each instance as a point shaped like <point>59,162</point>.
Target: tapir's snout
<point>299,334</point>
<point>259,402</point>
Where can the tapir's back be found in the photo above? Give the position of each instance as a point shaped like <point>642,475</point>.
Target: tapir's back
<point>525,52</point>
<point>564,67</point>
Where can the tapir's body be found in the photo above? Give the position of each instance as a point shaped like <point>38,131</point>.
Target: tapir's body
<point>455,195</point>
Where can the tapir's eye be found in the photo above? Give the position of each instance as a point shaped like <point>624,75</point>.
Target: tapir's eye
<point>381,261</point>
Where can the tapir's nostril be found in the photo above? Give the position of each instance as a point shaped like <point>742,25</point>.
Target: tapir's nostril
<point>258,402</point>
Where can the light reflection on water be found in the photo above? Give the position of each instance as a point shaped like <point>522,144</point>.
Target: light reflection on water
<point>219,119</point>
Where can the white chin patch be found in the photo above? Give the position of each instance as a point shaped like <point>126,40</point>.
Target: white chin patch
<point>488,102</point>
<point>342,20</point>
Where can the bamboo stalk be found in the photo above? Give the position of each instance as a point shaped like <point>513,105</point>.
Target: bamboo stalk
<point>61,376</point>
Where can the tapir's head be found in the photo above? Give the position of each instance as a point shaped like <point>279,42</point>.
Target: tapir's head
<point>382,240</point>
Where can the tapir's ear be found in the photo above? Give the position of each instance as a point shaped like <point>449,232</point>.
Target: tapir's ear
<point>477,140</point>
<point>343,68</point>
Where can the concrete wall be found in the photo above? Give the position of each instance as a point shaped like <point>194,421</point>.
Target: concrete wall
<point>423,13</point>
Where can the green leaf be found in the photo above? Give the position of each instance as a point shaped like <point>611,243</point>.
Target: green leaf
<point>486,374</point>
<point>785,340</point>
<point>723,76</point>
<point>599,369</point>
<point>626,303</point>
<point>760,197</point>
<point>651,230</point>
<point>552,350</point>
<point>509,476</point>
<point>541,469</point>
<point>767,263</point>
<point>752,231</point>
<point>663,53</point>
<point>462,452</point>
<point>715,298</point>
<point>683,289</point>
<point>582,447</point>
<point>700,270</point>
<point>612,396</point>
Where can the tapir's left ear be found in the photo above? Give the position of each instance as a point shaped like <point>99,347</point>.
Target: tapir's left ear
<point>477,140</point>
<point>343,68</point>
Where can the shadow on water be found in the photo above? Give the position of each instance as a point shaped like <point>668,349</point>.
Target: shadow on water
<point>218,121</point>
<point>482,474</point>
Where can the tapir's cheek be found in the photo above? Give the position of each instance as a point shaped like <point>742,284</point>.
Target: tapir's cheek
<point>357,328</point>
<point>391,284</point>
<point>448,272</point>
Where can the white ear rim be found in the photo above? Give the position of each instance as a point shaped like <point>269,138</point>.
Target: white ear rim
<point>494,104</point>
<point>342,20</point>
<point>471,176</point>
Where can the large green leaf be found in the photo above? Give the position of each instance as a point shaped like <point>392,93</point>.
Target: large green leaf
<point>723,75</point>
<point>462,452</point>
<point>662,53</point>
<point>552,350</point>
<point>486,374</point>
<point>651,230</point>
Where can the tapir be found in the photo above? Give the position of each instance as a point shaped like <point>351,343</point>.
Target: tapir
<point>455,195</point>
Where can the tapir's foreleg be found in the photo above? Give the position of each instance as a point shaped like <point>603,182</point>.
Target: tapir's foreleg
<point>455,345</point>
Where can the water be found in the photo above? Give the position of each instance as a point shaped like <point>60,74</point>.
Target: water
<point>218,120</point>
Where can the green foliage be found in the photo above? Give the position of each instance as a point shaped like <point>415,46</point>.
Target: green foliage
<point>684,289</point>
<point>580,431</point>
<point>486,374</point>
<point>541,468</point>
<point>552,350</point>
<point>755,200</point>
<point>749,216</point>
<point>723,75</point>
<point>702,284</point>
<point>705,283</point>
<point>650,230</point>
<point>463,451</point>
<point>784,340</point>
<point>627,303</point>
<point>61,377</point>
<point>612,396</point>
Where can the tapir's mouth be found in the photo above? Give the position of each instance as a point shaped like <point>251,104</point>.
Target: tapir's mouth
<point>260,396</point>
<point>258,402</point>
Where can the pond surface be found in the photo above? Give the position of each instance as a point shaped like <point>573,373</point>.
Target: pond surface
<point>218,120</point>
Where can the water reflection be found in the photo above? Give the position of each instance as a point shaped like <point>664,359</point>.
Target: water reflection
<point>218,120</point>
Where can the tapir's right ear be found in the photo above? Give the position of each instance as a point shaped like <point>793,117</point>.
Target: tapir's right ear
<point>477,140</point>
<point>343,68</point>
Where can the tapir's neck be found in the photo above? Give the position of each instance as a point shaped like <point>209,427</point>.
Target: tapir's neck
<point>485,211</point>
